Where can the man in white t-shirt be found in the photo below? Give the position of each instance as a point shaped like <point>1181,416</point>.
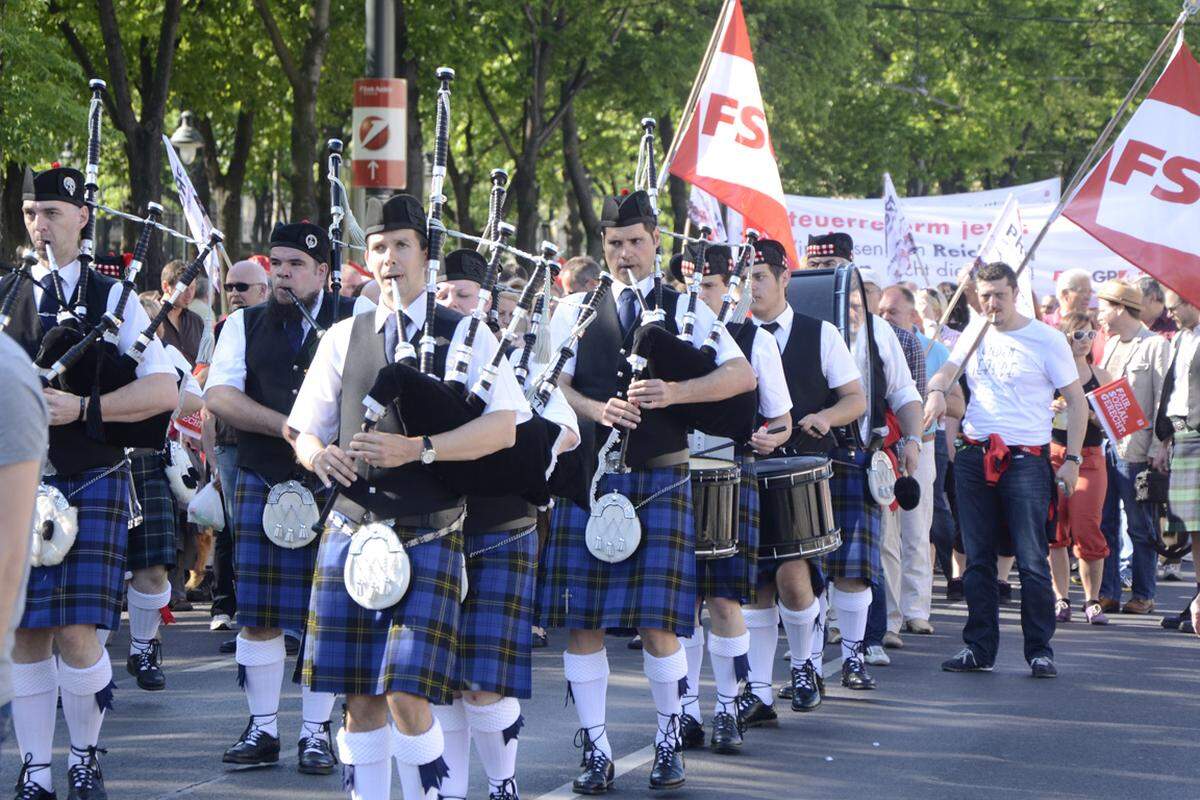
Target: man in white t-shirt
<point>1003,475</point>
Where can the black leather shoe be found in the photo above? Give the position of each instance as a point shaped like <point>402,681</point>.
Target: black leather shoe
<point>805,694</point>
<point>597,775</point>
<point>29,789</point>
<point>505,791</point>
<point>855,675</point>
<point>726,737</point>
<point>667,772</point>
<point>146,666</point>
<point>314,754</point>
<point>255,747</point>
<point>228,646</point>
<point>85,779</point>
<point>954,590</point>
<point>291,644</point>
<point>754,713</point>
<point>691,732</point>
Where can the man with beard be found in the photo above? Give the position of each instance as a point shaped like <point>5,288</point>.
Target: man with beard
<point>257,369</point>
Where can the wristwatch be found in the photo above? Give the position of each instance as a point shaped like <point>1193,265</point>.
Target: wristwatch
<point>1074,459</point>
<point>428,454</point>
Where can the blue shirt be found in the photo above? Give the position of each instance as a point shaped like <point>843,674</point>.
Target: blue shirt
<point>937,357</point>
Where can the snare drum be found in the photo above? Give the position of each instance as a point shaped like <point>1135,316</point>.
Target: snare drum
<point>715,501</point>
<point>796,508</point>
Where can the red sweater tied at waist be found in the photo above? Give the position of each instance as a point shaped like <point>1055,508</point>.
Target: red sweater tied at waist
<point>997,455</point>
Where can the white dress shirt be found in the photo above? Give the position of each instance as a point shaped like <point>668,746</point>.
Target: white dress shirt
<point>228,367</point>
<point>567,312</point>
<point>837,365</point>
<point>155,361</point>
<point>317,409</point>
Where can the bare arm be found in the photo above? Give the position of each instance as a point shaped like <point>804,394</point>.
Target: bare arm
<point>765,443</point>
<point>190,404</point>
<point>585,407</point>
<point>1077,415</point>
<point>480,437</point>
<point>141,399</point>
<point>731,378</point>
<point>236,408</point>
<point>18,483</point>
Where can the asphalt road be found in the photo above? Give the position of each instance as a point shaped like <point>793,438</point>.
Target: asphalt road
<point>1122,721</point>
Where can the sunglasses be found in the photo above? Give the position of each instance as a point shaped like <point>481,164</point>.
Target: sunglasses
<point>241,287</point>
<point>1083,336</point>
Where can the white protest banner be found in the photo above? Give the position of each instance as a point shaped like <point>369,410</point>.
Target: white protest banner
<point>197,220</point>
<point>705,210</point>
<point>897,237</point>
<point>1005,242</point>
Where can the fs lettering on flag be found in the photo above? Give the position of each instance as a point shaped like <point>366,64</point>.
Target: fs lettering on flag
<point>1142,200</point>
<point>726,148</point>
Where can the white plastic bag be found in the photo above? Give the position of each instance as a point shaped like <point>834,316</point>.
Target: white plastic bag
<point>206,508</point>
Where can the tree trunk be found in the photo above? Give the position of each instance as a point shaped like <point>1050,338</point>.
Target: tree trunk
<point>574,228</point>
<point>304,154</point>
<point>408,68</point>
<point>143,151</point>
<point>12,225</point>
<point>677,189</point>
<point>525,193</point>
<point>581,185</point>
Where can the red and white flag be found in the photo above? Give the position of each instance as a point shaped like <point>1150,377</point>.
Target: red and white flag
<point>1143,199</point>
<point>726,149</point>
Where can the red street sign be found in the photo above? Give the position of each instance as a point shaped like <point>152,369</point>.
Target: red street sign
<point>380,137</point>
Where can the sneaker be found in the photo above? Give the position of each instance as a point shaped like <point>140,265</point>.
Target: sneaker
<point>146,666</point>
<point>919,626</point>
<point>85,779</point>
<point>1095,614</point>
<point>539,637</point>
<point>876,656</point>
<point>255,747</point>
<point>1127,579</point>
<point>965,661</point>
<point>1172,571</point>
<point>220,622</point>
<point>954,590</point>
<point>1043,667</point>
<point>635,643</point>
<point>1062,610</point>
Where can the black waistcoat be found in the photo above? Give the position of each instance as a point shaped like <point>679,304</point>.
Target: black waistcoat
<point>601,356</point>
<point>404,491</point>
<point>71,450</point>
<point>274,382</point>
<point>806,383</point>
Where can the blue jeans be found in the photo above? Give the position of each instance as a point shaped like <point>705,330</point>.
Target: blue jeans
<point>224,594</point>
<point>1021,499</point>
<point>1121,492</point>
<point>941,533</point>
<point>876,615</point>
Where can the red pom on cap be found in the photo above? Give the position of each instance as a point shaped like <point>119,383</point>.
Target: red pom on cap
<point>127,258</point>
<point>55,165</point>
<point>624,193</point>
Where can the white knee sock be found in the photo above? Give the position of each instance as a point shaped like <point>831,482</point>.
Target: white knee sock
<point>852,613</point>
<point>85,697</point>
<point>665,675</point>
<point>818,634</point>
<point>315,710</point>
<point>144,617</point>
<point>693,647</point>
<point>799,628</point>
<point>419,762</point>
<point>763,626</point>
<point>260,671</point>
<point>495,729</point>
<point>34,712</point>
<point>456,750</point>
<point>366,765</point>
<point>588,678</point>
<point>730,667</point>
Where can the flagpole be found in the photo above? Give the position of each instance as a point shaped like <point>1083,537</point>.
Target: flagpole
<point>1190,7</point>
<point>689,108</point>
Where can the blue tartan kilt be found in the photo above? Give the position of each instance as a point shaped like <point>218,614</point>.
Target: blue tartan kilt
<point>87,586</point>
<point>736,577</point>
<point>859,517</point>
<point>409,647</point>
<point>653,588</point>
<point>495,632</point>
<point>273,582</point>
<point>153,543</point>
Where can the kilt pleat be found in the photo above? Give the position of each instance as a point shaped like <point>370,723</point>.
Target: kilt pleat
<point>736,577</point>
<point>407,648</point>
<point>273,583</point>
<point>653,588</point>
<point>154,542</point>
<point>1183,497</point>
<point>86,587</point>
<point>859,518</point>
<point>495,633</point>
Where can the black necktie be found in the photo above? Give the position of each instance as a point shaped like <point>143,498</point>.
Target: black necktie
<point>770,327</point>
<point>628,309</point>
<point>294,329</point>
<point>48,307</point>
<point>390,337</point>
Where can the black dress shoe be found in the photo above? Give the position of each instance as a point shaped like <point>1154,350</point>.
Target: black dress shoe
<point>314,754</point>
<point>228,646</point>
<point>291,644</point>
<point>146,666</point>
<point>855,675</point>
<point>726,736</point>
<point>954,590</point>
<point>255,747</point>
<point>85,779</point>
<point>691,732</point>
<point>667,772</point>
<point>29,789</point>
<point>805,694</point>
<point>1004,589</point>
<point>754,713</point>
<point>597,775</point>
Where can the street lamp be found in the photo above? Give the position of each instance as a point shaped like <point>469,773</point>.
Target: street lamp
<point>187,139</point>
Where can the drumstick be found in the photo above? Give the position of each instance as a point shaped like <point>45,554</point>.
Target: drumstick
<point>772,431</point>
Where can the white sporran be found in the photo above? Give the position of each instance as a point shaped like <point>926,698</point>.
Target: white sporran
<point>55,525</point>
<point>182,475</point>
<point>881,479</point>
<point>377,571</point>
<point>207,509</point>
<point>289,515</point>
<point>613,529</point>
